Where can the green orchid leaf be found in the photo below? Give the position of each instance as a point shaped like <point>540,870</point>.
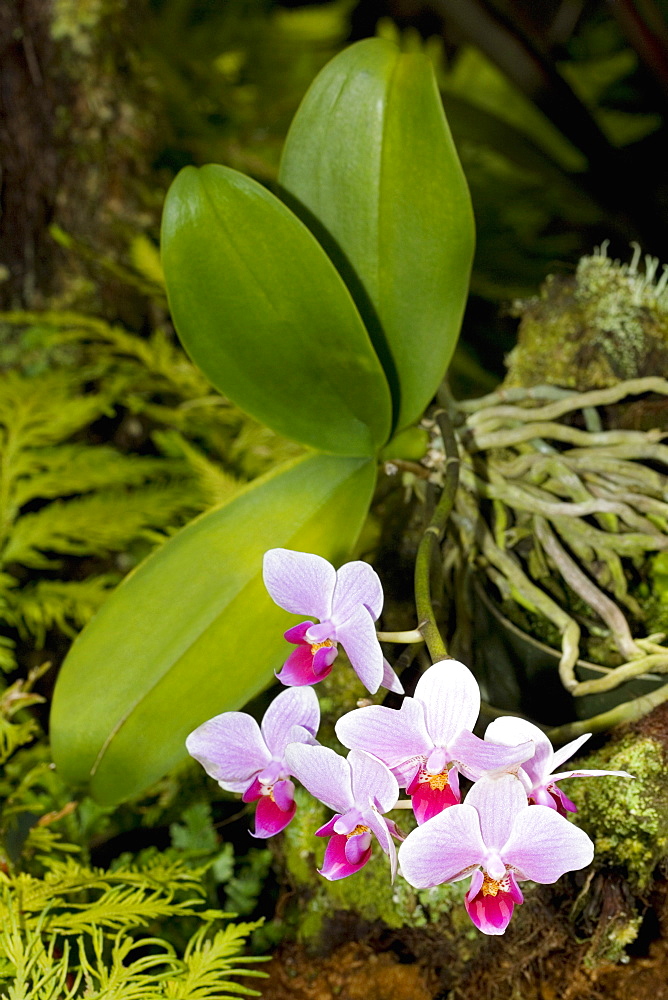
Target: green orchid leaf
<point>261,309</point>
<point>370,165</point>
<point>192,632</point>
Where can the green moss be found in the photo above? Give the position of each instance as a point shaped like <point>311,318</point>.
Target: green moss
<point>606,323</point>
<point>626,818</point>
<point>299,843</point>
<point>369,893</point>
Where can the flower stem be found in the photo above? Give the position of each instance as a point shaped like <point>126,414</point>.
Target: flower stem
<point>431,539</point>
<point>414,635</point>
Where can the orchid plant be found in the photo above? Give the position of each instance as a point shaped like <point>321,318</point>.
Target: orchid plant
<point>328,309</point>
<point>510,827</point>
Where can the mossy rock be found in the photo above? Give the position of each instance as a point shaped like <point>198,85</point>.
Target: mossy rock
<point>626,818</point>
<point>606,323</point>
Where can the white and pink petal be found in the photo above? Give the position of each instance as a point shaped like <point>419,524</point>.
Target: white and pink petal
<point>566,752</point>
<point>543,845</point>
<point>299,582</point>
<point>230,748</point>
<point>379,827</point>
<point>298,706</point>
<point>451,698</point>
<point>324,773</point>
<point>357,635</point>
<point>357,584</point>
<point>510,732</point>
<point>393,735</point>
<point>445,849</point>
<point>475,757</point>
<point>372,781</point>
<point>498,800</point>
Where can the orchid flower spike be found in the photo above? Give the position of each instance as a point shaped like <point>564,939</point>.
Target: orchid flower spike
<point>537,773</point>
<point>428,741</point>
<point>359,789</point>
<point>245,758</point>
<point>347,602</point>
<point>498,839</point>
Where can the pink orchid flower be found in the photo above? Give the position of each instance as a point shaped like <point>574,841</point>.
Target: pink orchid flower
<point>428,741</point>
<point>537,773</point>
<point>347,602</point>
<point>359,789</point>
<point>498,839</point>
<point>245,758</point>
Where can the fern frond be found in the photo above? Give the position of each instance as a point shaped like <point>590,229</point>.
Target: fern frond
<point>210,961</point>
<point>15,734</point>
<point>78,468</point>
<point>97,524</point>
<point>100,914</point>
<point>66,876</point>
<point>7,644</point>
<point>42,840</point>
<point>158,353</point>
<point>120,907</point>
<point>216,485</point>
<point>45,409</point>
<point>123,977</point>
<point>66,605</point>
<point>33,968</point>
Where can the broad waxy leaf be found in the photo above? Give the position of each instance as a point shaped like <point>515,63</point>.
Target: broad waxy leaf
<point>192,632</point>
<point>370,166</point>
<point>260,308</point>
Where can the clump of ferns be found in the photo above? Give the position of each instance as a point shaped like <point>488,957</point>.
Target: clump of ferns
<point>143,928</point>
<point>85,932</point>
<point>108,442</point>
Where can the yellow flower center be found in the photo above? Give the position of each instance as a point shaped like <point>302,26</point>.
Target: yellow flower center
<point>437,782</point>
<point>359,829</point>
<point>492,886</point>
<point>321,645</point>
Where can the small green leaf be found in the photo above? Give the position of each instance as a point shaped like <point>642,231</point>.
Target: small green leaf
<point>192,632</point>
<point>261,309</point>
<point>370,166</point>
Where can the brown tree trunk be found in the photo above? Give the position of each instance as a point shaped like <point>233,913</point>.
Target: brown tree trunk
<point>78,123</point>
<point>29,95</point>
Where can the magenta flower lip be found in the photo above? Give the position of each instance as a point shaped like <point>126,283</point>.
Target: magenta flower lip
<point>347,602</point>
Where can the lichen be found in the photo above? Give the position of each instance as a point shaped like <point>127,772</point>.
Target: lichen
<point>626,818</point>
<point>606,323</point>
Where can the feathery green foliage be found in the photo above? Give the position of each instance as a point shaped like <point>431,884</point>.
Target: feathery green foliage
<point>73,934</point>
<point>108,443</point>
<point>144,928</point>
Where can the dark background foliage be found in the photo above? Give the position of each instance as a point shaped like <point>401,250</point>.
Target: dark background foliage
<point>558,110</point>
